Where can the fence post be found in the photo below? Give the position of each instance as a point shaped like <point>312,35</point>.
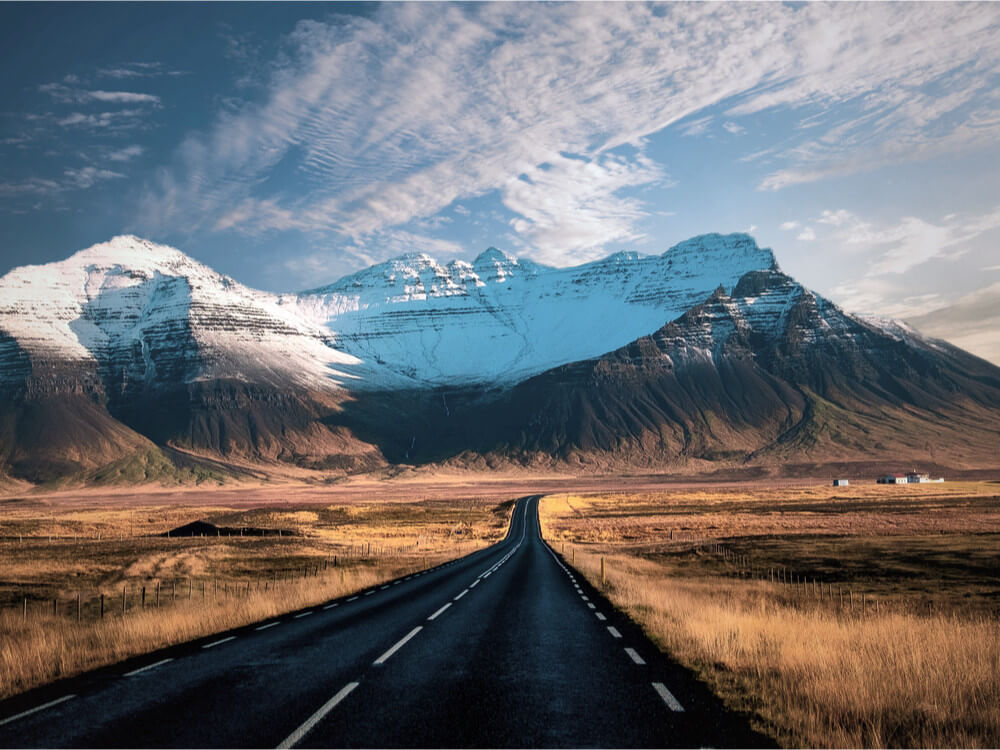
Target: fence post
<point>102,606</point>
<point>574,556</point>
<point>157,594</point>
<point>173,591</point>
<point>143,605</point>
<point>603,578</point>
<point>53,607</point>
<point>79,612</point>
<point>124,594</point>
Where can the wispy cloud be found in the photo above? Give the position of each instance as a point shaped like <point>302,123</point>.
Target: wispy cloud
<point>138,70</point>
<point>68,94</point>
<point>126,154</point>
<point>394,117</point>
<point>119,119</point>
<point>897,247</point>
<point>86,177</point>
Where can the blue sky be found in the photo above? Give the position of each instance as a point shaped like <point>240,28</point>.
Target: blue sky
<point>289,144</point>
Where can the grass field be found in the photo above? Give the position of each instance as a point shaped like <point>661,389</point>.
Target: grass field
<point>56,564</point>
<point>883,633</point>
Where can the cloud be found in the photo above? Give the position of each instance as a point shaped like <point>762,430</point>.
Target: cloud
<point>910,242</point>
<point>806,235</point>
<point>696,127</point>
<point>126,154</point>
<point>397,115</point>
<point>86,177</point>
<point>120,119</point>
<point>71,179</point>
<point>574,203</point>
<point>788,226</point>
<point>31,186</point>
<point>127,97</point>
<point>734,128</point>
<point>71,95</point>
<point>972,322</point>
<point>137,70</point>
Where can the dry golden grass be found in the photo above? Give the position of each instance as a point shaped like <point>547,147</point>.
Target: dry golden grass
<point>206,585</point>
<point>811,672</point>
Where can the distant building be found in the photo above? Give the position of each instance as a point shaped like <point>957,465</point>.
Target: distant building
<point>841,482</point>
<point>892,479</point>
<point>912,478</point>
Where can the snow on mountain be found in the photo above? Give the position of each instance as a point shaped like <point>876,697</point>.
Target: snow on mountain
<point>138,313</point>
<point>132,314</point>
<point>502,319</point>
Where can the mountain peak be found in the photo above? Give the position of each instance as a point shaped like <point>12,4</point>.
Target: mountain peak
<point>722,250</point>
<point>491,255</point>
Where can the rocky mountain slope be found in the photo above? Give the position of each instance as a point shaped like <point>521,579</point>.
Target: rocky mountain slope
<point>705,355</point>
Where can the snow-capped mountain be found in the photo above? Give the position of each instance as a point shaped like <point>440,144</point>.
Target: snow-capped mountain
<point>134,314</point>
<point>499,320</point>
<point>707,352</point>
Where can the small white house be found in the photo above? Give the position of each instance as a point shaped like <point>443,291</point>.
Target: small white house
<point>841,482</point>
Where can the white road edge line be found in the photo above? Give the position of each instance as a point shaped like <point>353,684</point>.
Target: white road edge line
<point>667,697</point>
<point>475,583</point>
<point>460,595</point>
<point>352,598</point>
<point>614,631</point>
<point>399,644</point>
<point>439,612</point>
<point>269,625</point>
<point>292,739</point>
<point>331,606</point>
<point>304,614</point>
<point>219,642</point>
<point>635,656</point>
<point>36,709</point>
<point>148,666</point>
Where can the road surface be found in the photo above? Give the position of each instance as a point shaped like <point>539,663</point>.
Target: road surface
<point>507,647</point>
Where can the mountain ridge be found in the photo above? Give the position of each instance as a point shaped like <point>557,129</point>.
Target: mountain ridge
<point>706,355</point>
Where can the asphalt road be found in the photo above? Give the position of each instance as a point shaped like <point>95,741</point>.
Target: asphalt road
<point>507,647</point>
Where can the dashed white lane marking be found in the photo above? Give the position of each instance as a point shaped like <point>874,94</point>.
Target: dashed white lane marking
<point>301,615</point>
<point>352,598</point>
<point>460,595</point>
<point>383,588</point>
<point>148,666</point>
<point>396,583</point>
<point>475,583</point>
<point>585,598</point>
<point>36,709</point>
<point>399,644</point>
<point>219,642</point>
<point>614,631</point>
<point>591,605</point>
<point>635,656</point>
<point>331,606</point>
<point>600,617</point>
<point>668,698</point>
<point>369,593</point>
<point>269,625</point>
<point>440,611</point>
<point>292,739</point>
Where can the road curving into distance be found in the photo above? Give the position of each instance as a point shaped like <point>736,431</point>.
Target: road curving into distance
<point>507,647</point>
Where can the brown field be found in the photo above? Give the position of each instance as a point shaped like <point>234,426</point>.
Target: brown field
<point>883,633</point>
<point>58,558</point>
